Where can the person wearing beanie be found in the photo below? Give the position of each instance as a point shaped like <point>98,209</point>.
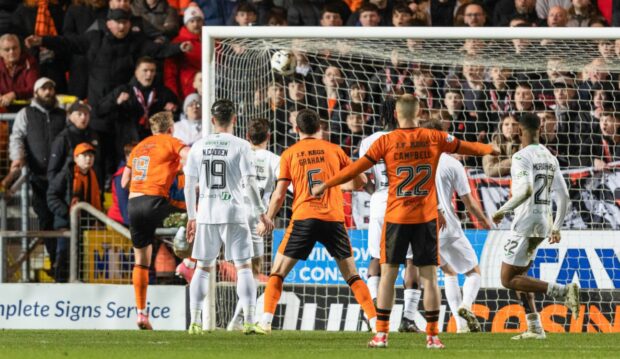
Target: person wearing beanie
<point>189,129</point>
<point>179,71</point>
<point>77,182</point>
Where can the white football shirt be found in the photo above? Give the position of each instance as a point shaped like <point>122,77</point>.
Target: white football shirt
<point>537,167</point>
<point>378,200</point>
<point>220,162</point>
<point>450,178</point>
<point>267,166</point>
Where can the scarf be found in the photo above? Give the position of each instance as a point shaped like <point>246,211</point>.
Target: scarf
<point>86,188</point>
<point>146,105</point>
<point>44,24</point>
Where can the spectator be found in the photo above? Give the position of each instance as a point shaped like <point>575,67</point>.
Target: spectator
<point>524,100</point>
<point>30,144</point>
<point>424,87</point>
<point>138,25</point>
<point>543,7</point>
<point>558,17</point>
<point>601,147</point>
<point>606,48</point>
<point>393,80</point>
<point>581,13</point>
<point>372,13</point>
<point>159,14</point>
<point>507,139</point>
<point>120,196</point>
<point>556,68</point>
<point>507,10</point>
<point>79,17</point>
<point>462,124</point>
<point>246,15</point>
<point>401,15</point>
<point>500,92</point>
<point>180,70</point>
<point>77,182</point>
<point>197,84</point>
<point>216,12</point>
<point>131,105</point>
<point>18,71</point>
<point>550,138</point>
<point>443,12</point>
<point>610,133</point>
<point>473,87</point>
<point>304,12</point>
<point>566,108</point>
<point>474,15</point>
<point>52,63</point>
<point>298,94</point>
<point>330,16</point>
<point>276,19</point>
<point>76,132</point>
<point>601,99</point>
<point>331,92</point>
<point>355,130</point>
<point>7,7</point>
<point>189,128</point>
<point>595,74</point>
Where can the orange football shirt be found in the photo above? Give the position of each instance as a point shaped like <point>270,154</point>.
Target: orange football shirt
<point>154,164</point>
<point>309,162</point>
<point>411,156</point>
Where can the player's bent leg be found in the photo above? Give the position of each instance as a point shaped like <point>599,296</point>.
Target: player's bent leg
<point>453,295</point>
<point>471,287</point>
<point>358,287</point>
<point>237,320</point>
<point>198,291</point>
<point>140,280</point>
<point>282,265</point>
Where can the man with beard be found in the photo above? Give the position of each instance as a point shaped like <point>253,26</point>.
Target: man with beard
<point>132,104</point>
<point>34,129</point>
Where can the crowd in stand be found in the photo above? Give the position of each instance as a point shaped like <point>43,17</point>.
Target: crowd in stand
<point>126,60</point>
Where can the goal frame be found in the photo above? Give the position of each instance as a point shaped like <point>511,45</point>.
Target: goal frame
<point>210,34</point>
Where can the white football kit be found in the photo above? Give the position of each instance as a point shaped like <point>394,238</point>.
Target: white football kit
<point>536,168</point>
<point>267,168</point>
<point>221,162</point>
<point>378,200</point>
<point>454,247</point>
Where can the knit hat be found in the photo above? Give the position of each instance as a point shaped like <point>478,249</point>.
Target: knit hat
<point>192,12</point>
<point>189,99</point>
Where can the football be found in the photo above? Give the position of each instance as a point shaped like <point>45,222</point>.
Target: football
<point>283,62</point>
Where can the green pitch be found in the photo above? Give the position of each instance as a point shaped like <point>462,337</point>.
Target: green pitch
<point>42,344</point>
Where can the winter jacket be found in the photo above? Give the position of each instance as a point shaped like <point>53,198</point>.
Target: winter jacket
<point>127,116</point>
<point>179,71</point>
<point>111,61</point>
<point>62,148</point>
<point>23,79</point>
<point>59,196</point>
<point>163,17</point>
<point>31,138</point>
<point>120,198</point>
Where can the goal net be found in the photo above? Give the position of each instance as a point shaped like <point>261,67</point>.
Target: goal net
<point>477,83</point>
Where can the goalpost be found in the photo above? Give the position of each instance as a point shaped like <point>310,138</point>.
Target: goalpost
<point>567,76</point>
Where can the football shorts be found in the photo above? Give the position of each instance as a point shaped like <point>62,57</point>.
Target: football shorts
<point>420,238</point>
<point>146,214</point>
<point>302,235</point>
<point>258,244</point>
<point>375,228</point>
<point>519,250</point>
<point>458,253</point>
<point>235,237</point>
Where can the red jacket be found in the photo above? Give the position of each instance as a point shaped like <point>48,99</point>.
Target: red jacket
<point>23,79</point>
<point>179,71</point>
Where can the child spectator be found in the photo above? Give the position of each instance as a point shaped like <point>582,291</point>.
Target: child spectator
<point>76,183</point>
<point>246,15</point>
<point>507,139</point>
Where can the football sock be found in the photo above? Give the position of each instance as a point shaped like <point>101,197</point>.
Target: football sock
<point>246,291</point>
<point>373,285</point>
<point>470,289</point>
<point>362,296</point>
<point>238,310</point>
<point>453,295</point>
<point>412,298</point>
<point>533,323</point>
<point>273,290</point>
<point>557,291</point>
<point>383,320</point>
<point>140,279</point>
<point>432,325</point>
<point>198,290</point>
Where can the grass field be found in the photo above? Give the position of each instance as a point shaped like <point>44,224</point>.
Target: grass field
<point>47,344</point>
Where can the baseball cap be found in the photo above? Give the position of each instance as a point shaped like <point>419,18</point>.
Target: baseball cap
<point>42,82</point>
<point>83,148</point>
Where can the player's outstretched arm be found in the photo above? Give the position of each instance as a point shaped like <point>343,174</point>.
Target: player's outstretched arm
<point>476,149</point>
<point>277,199</point>
<point>473,207</point>
<point>356,183</point>
<point>345,175</point>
